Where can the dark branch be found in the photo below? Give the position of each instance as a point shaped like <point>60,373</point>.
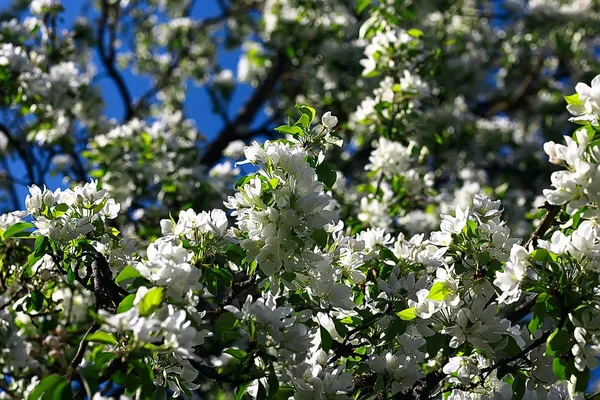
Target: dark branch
<point>239,127</point>
<point>551,212</point>
<point>82,346</point>
<point>108,58</point>
<point>163,81</point>
<point>519,311</point>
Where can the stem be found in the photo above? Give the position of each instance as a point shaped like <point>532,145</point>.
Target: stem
<point>82,346</point>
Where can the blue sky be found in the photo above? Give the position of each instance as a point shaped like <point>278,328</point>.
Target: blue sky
<point>197,105</point>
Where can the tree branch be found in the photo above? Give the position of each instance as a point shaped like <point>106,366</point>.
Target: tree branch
<point>516,313</point>
<point>238,128</point>
<point>551,212</point>
<point>82,346</point>
<point>164,79</point>
<point>511,102</point>
<point>108,58</point>
<point>486,372</point>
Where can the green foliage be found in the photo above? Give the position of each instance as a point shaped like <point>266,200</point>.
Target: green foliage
<point>151,301</point>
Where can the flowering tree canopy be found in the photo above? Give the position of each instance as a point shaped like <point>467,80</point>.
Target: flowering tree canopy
<point>416,217</point>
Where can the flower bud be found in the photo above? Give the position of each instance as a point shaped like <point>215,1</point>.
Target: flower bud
<point>56,354</point>
<point>51,341</point>
<point>329,121</point>
<point>60,331</point>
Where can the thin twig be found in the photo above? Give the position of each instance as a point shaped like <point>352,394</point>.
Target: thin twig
<point>519,311</point>
<point>82,346</point>
<point>108,58</point>
<point>547,222</point>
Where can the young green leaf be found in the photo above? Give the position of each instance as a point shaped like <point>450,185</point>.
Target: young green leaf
<point>46,387</point>
<point>102,337</point>
<point>326,174</point>
<point>326,339</point>
<point>17,229</point>
<point>151,301</point>
<point>439,291</point>
<point>127,273</point>
<point>126,303</point>
<point>407,314</point>
<point>558,342</point>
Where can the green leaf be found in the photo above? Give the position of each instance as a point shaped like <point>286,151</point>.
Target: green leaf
<point>483,258</point>
<point>102,337</point>
<point>60,209</point>
<point>17,229</point>
<point>308,111</point>
<point>273,383</point>
<point>89,379</point>
<point>46,386</point>
<point>126,303</point>
<point>326,174</point>
<point>70,275</point>
<point>226,322</point>
<point>559,367</point>
<point>236,353</point>
<point>223,276</point>
<point>159,394</point>
<point>387,254</point>
<point>436,343</point>
<point>303,121</point>
<point>407,314</point>
<point>37,300</point>
<point>558,342</point>
<point>262,392</point>
<point>416,33</point>
<point>292,130</point>
<point>284,393</point>
<point>361,5</point>
<point>542,255</point>
<point>144,372</point>
<point>518,387</point>
<point>535,323</point>
<point>572,99</point>
<point>320,236</point>
<point>41,244</point>
<point>210,281</point>
<point>396,328</point>
<point>128,273</point>
<point>326,339</point>
<point>354,321</point>
<point>62,391</point>
<point>439,291</point>
<point>151,301</point>
<point>239,393</point>
<point>471,228</point>
<point>242,181</point>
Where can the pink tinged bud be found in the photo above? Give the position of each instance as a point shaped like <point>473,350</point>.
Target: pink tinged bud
<point>61,331</point>
<point>56,354</point>
<point>51,341</point>
<point>550,149</point>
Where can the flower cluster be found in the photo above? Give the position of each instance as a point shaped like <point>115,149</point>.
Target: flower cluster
<point>64,215</point>
<point>391,246</point>
<point>280,205</point>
